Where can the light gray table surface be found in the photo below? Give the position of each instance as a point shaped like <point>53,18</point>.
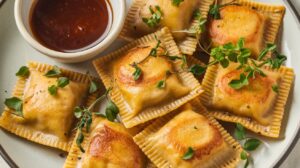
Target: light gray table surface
<point>291,160</point>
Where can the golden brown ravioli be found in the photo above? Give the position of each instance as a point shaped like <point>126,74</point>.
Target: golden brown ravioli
<point>165,144</point>
<point>48,113</point>
<point>47,119</point>
<point>255,100</point>
<point>174,17</point>
<point>111,146</point>
<point>239,22</point>
<point>143,93</point>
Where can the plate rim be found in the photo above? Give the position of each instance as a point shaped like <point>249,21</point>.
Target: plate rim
<point>283,156</point>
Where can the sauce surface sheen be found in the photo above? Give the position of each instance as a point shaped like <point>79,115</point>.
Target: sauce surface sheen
<point>70,25</point>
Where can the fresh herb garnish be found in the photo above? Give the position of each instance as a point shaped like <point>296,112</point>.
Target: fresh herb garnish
<point>197,70</point>
<point>214,10</point>
<point>250,144</point>
<point>15,104</point>
<point>156,15</point>
<point>94,86</point>
<point>54,72</point>
<point>275,88</point>
<point>188,154</point>
<point>85,116</point>
<point>239,132</point>
<point>162,83</point>
<point>52,89</point>
<point>137,72</point>
<point>229,52</point>
<point>197,28</point>
<point>23,72</point>
<point>176,2</point>
<point>61,83</point>
<point>153,51</point>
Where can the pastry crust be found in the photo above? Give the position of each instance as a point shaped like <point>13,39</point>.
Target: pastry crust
<point>107,145</point>
<point>141,100</point>
<point>257,22</point>
<point>256,106</point>
<point>239,22</point>
<point>48,119</point>
<point>255,100</point>
<point>176,18</point>
<point>168,139</point>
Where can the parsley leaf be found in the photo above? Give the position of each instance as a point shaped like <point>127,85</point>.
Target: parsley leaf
<point>275,88</point>
<point>23,72</point>
<point>15,104</point>
<point>138,71</point>
<point>239,132</point>
<point>62,82</point>
<point>111,111</point>
<point>239,83</point>
<point>176,2</point>
<point>161,84</point>
<point>155,18</point>
<point>189,154</point>
<point>251,144</point>
<point>214,11</point>
<point>52,89</point>
<point>94,86</point>
<point>197,70</point>
<point>54,72</point>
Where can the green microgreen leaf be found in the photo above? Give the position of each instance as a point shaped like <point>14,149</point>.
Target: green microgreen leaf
<point>188,154</point>
<point>239,83</point>
<point>111,111</point>
<point>197,70</point>
<point>251,144</point>
<point>239,132</point>
<point>244,155</point>
<point>269,48</point>
<point>176,2</point>
<point>275,88</point>
<point>137,73</point>
<point>94,86</point>
<point>62,82</point>
<point>161,84</point>
<point>214,11</point>
<point>155,18</point>
<point>54,72</point>
<point>78,112</point>
<point>52,89</point>
<point>16,104</point>
<point>23,72</point>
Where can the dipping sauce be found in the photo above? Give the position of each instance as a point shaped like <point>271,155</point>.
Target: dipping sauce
<point>70,25</point>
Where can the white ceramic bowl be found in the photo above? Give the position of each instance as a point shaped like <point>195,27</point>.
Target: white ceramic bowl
<point>22,16</point>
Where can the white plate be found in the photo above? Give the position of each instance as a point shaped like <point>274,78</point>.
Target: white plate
<point>15,52</point>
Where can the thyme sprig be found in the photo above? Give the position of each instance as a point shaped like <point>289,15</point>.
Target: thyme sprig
<point>229,52</point>
<point>85,116</point>
<point>249,144</point>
